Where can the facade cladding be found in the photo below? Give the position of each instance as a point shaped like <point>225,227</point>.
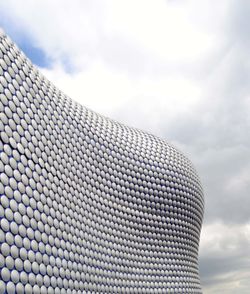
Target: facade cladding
<point>88,205</point>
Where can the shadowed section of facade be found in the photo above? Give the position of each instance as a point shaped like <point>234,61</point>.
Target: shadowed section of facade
<point>88,205</point>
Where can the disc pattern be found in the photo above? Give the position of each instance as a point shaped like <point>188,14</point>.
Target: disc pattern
<point>87,204</point>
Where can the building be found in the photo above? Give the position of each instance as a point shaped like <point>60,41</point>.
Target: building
<point>88,205</point>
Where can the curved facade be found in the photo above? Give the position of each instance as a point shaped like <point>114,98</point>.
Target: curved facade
<point>88,205</point>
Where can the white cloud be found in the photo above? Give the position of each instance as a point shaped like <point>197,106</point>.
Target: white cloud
<point>164,29</point>
<point>111,92</point>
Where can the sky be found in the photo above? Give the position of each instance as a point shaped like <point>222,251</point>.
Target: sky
<point>178,69</point>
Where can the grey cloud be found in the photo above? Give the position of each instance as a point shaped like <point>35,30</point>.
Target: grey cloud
<point>227,270</point>
<point>238,27</point>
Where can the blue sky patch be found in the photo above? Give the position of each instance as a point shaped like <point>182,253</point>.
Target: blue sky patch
<point>35,54</point>
<point>27,44</point>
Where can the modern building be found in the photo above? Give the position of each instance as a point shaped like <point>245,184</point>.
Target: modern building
<point>88,205</point>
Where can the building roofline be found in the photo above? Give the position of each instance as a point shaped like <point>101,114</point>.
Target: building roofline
<point>1,32</point>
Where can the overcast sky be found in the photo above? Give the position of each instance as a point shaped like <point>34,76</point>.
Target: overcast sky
<point>178,69</point>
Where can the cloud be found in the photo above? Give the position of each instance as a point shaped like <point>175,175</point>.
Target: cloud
<point>118,95</point>
<point>130,33</point>
<point>225,260</point>
<point>178,69</point>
